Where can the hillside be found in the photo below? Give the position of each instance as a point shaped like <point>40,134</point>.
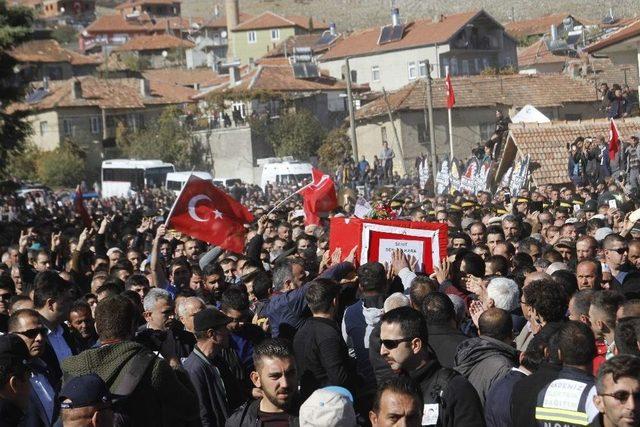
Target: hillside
<point>352,14</point>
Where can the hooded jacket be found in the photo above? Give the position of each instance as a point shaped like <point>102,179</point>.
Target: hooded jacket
<point>483,361</point>
<point>357,324</point>
<point>163,397</point>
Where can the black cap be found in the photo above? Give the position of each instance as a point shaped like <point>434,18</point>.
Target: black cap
<point>209,318</point>
<point>84,390</point>
<point>12,350</point>
<point>590,206</point>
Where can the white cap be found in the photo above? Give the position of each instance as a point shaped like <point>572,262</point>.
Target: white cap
<point>556,266</point>
<point>327,407</point>
<point>603,232</point>
<point>114,249</point>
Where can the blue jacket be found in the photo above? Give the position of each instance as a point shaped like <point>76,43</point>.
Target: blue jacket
<point>287,310</point>
<point>497,407</point>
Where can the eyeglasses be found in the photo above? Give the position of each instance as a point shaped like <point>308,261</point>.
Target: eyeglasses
<point>391,344</point>
<point>622,396</point>
<point>620,251</point>
<point>33,333</point>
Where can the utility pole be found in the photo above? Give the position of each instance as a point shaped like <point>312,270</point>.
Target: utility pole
<point>352,116</point>
<point>428,122</point>
<point>395,132</point>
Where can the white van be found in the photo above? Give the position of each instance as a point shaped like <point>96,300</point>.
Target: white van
<point>177,180</point>
<point>123,177</point>
<point>226,182</point>
<point>285,173</point>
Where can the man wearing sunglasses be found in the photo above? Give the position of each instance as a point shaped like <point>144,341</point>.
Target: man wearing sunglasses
<point>618,393</point>
<point>616,252</point>
<point>43,408</point>
<point>449,399</point>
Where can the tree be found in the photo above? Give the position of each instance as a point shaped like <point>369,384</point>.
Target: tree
<point>296,133</point>
<point>15,28</point>
<point>62,167</point>
<point>336,147</point>
<point>65,34</point>
<point>24,164</point>
<point>166,139</point>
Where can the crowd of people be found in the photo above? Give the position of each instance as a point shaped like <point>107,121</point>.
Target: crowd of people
<point>531,319</point>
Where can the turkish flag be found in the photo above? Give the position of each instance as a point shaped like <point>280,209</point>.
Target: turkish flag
<point>78,205</point>
<point>207,213</point>
<point>319,197</point>
<point>614,140</point>
<point>451,97</point>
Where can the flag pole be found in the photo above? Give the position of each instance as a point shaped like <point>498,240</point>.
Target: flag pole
<point>450,125</point>
<point>280,203</point>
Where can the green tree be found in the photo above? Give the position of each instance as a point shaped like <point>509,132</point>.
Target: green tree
<point>296,133</point>
<point>15,28</point>
<point>167,139</point>
<point>336,147</point>
<point>24,164</point>
<point>65,34</point>
<point>62,167</point>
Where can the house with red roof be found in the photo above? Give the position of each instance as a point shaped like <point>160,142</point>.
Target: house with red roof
<point>395,54</point>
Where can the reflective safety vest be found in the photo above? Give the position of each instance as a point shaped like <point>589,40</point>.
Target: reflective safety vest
<point>563,402</point>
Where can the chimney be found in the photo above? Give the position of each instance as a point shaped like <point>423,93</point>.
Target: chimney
<point>76,89</point>
<point>144,88</point>
<point>232,12</point>
<point>332,29</point>
<point>554,33</point>
<point>234,74</point>
<point>45,83</point>
<point>395,16</point>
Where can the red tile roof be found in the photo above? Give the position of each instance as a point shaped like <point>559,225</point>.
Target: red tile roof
<point>539,53</point>
<point>108,93</point>
<point>116,24</point>
<point>537,26</point>
<point>47,51</point>
<point>203,77</point>
<point>517,90</point>
<point>546,144</point>
<point>155,42</point>
<point>419,33</point>
<point>630,31</point>
<point>136,3</point>
<point>221,21</point>
<point>269,19</point>
<point>280,78</point>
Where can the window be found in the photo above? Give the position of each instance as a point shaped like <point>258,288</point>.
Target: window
<point>423,133</point>
<point>465,67</point>
<point>44,128</point>
<point>275,34</point>
<point>66,127</point>
<point>96,124</point>
<point>453,67</point>
<point>252,37</point>
<point>412,70</point>
<point>375,73</point>
<point>422,68</point>
<point>383,134</point>
<point>486,130</point>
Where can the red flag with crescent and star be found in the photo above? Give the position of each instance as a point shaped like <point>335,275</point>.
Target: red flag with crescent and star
<point>319,197</point>
<point>80,209</point>
<point>614,140</point>
<point>451,97</point>
<point>207,213</point>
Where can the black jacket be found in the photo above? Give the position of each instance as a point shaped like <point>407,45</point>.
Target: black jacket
<point>247,416</point>
<point>173,342</point>
<point>322,357</point>
<point>525,394</point>
<point>381,368</point>
<point>444,340</point>
<point>10,414</point>
<point>216,403</point>
<point>460,405</point>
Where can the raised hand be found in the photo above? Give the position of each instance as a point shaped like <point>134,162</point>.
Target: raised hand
<point>398,261</point>
<point>352,255</point>
<point>442,273</point>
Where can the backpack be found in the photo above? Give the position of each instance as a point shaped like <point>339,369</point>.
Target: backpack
<point>129,377</point>
<point>436,392</point>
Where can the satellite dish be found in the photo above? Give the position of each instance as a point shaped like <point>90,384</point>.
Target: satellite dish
<point>164,53</point>
<point>85,33</point>
<point>224,34</point>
